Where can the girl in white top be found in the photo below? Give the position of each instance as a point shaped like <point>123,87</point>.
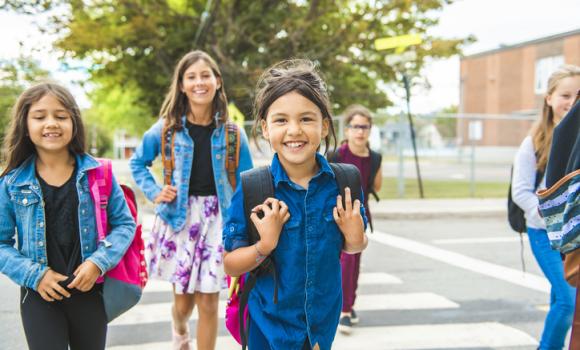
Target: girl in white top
<point>531,159</point>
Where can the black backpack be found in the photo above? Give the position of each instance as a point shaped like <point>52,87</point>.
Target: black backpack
<point>516,216</point>
<point>257,185</point>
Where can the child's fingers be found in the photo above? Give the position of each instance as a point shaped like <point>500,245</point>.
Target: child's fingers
<point>283,209</point>
<point>75,282</point>
<point>339,204</point>
<point>255,219</point>
<point>286,217</point>
<point>335,214</point>
<point>356,206</point>
<point>62,291</point>
<point>275,204</point>
<point>53,294</point>
<point>45,296</point>
<point>347,199</point>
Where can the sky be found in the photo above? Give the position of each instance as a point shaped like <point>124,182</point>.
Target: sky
<point>492,22</point>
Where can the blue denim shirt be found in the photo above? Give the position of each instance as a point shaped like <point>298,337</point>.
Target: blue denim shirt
<point>22,215</point>
<point>174,213</point>
<point>307,261</point>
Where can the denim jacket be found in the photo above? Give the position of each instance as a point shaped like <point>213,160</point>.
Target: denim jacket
<point>174,213</point>
<point>22,215</point>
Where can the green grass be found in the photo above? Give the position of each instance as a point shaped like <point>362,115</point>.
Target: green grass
<point>443,189</point>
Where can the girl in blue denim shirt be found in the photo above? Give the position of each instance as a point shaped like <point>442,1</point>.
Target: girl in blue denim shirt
<point>186,241</point>
<point>305,226</point>
<point>46,206</point>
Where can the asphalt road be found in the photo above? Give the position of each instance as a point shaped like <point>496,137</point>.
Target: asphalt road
<point>425,284</point>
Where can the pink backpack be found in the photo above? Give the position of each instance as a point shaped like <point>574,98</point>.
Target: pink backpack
<point>235,287</point>
<point>122,285</point>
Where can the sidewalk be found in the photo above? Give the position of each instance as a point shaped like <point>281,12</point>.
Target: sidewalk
<point>404,209</point>
<point>438,208</point>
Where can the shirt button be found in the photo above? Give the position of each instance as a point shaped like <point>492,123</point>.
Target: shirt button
<point>86,247</point>
<point>85,230</point>
<point>25,201</point>
<point>41,260</point>
<point>83,211</point>
<point>231,229</point>
<point>218,156</point>
<point>41,224</point>
<point>41,243</point>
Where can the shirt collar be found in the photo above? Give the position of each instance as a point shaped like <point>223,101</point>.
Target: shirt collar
<point>279,174</point>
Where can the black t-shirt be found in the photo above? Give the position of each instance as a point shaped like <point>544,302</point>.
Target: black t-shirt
<point>201,181</point>
<point>62,225</point>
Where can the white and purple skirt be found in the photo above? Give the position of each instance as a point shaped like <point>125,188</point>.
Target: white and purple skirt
<point>191,259</point>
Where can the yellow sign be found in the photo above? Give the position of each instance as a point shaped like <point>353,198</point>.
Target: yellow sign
<point>399,42</point>
<point>235,114</point>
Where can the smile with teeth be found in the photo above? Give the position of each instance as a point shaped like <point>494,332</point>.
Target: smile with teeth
<point>51,134</point>
<point>294,144</point>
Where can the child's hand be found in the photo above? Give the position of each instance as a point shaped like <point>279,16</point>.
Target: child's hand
<point>167,194</point>
<point>85,276</point>
<point>350,222</point>
<point>270,225</point>
<point>49,289</point>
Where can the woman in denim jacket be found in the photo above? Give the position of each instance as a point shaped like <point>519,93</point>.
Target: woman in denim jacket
<point>186,241</point>
<point>45,205</point>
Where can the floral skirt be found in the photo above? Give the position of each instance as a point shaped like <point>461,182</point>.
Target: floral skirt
<point>191,259</point>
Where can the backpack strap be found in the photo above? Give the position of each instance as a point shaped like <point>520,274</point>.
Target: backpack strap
<point>100,186</point>
<point>376,159</point>
<point>232,151</point>
<point>347,175</point>
<point>257,185</point>
<point>332,156</point>
<point>167,143</point>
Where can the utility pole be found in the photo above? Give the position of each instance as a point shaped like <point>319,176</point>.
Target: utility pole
<point>400,43</point>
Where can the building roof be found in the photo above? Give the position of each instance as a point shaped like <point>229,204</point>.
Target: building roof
<point>525,43</point>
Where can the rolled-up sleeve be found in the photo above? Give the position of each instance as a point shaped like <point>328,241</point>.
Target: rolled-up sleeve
<point>234,231</point>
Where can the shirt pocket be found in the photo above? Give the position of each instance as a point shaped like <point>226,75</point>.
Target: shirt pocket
<point>24,201</point>
<point>329,229</point>
<point>290,236</point>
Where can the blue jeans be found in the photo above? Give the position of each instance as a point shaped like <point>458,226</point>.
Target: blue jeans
<point>562,296</point>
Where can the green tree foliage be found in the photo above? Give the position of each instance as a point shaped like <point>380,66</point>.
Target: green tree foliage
<point>15,76</point>
<point>134,44</point>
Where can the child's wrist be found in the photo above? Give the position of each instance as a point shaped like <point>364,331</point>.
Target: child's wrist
<point>264,248</point>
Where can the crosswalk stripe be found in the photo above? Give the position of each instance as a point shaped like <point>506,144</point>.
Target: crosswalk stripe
<point>479,240</point>
<point>443,336</point>
<point>368,278</point>
<point>403,301</point>
<point>223,342</point>
<point>446,336</point>
<point>506,274</point>
<point>160,312</point>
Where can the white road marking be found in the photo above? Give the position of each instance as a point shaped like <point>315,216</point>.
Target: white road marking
<point>503,273</point>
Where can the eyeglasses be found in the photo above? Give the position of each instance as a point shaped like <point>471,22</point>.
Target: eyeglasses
<point>358,127</point>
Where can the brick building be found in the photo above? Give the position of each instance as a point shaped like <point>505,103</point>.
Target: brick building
<point>509,83</point>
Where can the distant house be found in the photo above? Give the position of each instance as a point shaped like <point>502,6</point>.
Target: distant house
<point>124,145</point>
<point>510,81</point>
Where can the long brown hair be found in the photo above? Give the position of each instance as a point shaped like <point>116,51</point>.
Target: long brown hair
<point>300,76</point>
<point>543,129</point>
<point>17,144</point>
<point>176,104</point>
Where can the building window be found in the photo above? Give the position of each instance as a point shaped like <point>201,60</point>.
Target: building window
<point>544,67</point>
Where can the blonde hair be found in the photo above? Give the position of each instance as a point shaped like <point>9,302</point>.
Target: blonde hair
<point>543,129</point>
